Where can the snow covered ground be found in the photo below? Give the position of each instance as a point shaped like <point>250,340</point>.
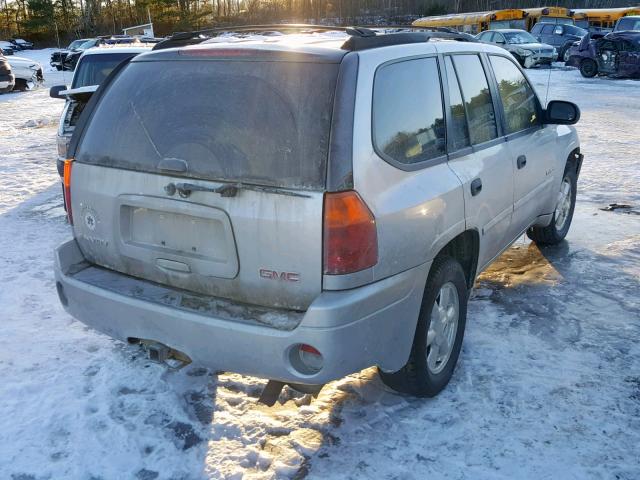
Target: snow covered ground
<point>548,384</point>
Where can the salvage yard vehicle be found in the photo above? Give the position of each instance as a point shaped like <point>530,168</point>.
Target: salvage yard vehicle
<point>7,79</point>
<point>93,67</point>
<point>28,72</point>
<point>311,205</point>
<point>526,49</point>
<point>58,56</point>
<point>560,36</point>
<point>7,48</point>
<point>616,54</point>
<point>22,44</point>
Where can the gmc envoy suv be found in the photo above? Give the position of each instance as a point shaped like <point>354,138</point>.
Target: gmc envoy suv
<point>301,206</point>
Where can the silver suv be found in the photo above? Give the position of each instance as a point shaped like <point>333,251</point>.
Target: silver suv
<point>303,206</point>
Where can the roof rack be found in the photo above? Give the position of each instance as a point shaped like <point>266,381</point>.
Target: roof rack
<point>360,38</point>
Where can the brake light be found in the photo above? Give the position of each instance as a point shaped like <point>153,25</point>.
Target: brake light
<point>350,236</point>
<point>66,187</point>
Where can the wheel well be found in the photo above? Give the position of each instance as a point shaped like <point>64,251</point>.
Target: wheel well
<point>575,159</point>
<point>464,248</point>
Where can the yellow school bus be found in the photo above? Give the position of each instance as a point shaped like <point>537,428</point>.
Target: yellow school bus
<point>476,22</point>
<point>597,19</point>
<point>549,15</point>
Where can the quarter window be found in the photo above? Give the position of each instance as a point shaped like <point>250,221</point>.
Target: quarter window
<point>459,132</point>
<point>408,120</point>
<point>477,98</point>
<point>517,96</point>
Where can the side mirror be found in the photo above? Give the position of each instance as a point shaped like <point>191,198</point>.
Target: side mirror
<point>54,92</point>
<point>559,112</point>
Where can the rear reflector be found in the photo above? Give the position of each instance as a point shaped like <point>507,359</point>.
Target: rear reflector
<point>310,358</point>
<point>66,187</point>
<point>350,236</point>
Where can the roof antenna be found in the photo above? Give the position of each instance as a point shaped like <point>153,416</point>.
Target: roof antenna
<point>546,96</point>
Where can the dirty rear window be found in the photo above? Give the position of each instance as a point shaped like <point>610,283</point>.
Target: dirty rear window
<point>258,122</point>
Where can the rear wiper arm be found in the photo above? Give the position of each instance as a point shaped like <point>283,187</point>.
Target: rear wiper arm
<point>227,190</point>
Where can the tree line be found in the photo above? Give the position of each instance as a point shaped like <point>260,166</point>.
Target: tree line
<point>49,22</point>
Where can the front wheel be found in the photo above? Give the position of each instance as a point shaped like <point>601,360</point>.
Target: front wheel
<point>439,333</point>
<point>588,68</point>
<point>555,232</point>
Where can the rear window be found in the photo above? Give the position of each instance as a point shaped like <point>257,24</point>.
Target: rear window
<point>93,69</point>
<point>258,122</point>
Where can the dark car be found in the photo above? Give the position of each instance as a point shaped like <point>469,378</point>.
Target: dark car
<point>58,57</point>
<point>71,60</point>
<point>7,48</point>
<point>616,54</point>
<point>522,45</point>
<point>7,80</point>
<point>562,37</point>
<point>22,44</point>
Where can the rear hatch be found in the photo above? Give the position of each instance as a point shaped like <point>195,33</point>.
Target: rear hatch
<point>207,174</point>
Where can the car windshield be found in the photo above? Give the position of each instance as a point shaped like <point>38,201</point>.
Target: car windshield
<point>575,30</point>
<point>517,38</point>
<point>87,44</point>
<point>75,44</point>
<point>628,24</point>
<point>93,69</point>
<point>260,122</point>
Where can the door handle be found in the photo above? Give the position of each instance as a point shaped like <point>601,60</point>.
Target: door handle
<point>476,187</point>
<point>522,162</point>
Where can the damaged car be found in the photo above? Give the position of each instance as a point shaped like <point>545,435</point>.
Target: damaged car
<point>28,72</point>
<point>525,48</point>
<point>616,54</point>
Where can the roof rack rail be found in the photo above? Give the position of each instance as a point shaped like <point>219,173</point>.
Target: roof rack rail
<point>360,38</point>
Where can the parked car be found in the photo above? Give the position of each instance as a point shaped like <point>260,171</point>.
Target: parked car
<point>22,44</point>
<point>629,23</point>
<point>616,54</point>
<point>58,56</point>
<point>301,210</point>
<point>7,48</point>
<point>71,59</point>
<point>560,36</point>
<point>522,45</point>
<point>28,72</point>
<point>7,79</point>
<point>93,67</point>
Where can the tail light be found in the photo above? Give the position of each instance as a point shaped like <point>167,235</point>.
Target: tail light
<point>350,236</point>
<point>66,187</point>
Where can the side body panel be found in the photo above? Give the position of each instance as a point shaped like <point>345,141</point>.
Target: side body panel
<point>417,211</point>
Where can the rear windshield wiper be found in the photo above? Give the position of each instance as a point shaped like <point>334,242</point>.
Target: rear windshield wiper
<point>227,190</point>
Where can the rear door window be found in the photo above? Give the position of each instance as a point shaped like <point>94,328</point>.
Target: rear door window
<point>477,98</point>
<point>258,122</point>
<point>408,118</point>
<point>518,98</point>
<point>459,131</point>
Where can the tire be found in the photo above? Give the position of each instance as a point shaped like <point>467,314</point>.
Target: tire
<point>555,232</point>
<point>21,85</point>
<point>423,375</point>
<point>588,68</point>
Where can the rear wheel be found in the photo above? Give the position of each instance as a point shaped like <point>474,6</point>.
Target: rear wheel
<point>439,334</point>
<point>588,68</point>
<point>555,232</point>
<point>21,85</point>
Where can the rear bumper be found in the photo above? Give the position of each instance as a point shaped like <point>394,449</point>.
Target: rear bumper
<point>353,329</point>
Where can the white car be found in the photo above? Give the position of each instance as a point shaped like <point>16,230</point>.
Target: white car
<point>28,72</point>
<point>93,67</point>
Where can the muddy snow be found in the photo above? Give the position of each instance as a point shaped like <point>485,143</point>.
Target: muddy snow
<point>548,384</point>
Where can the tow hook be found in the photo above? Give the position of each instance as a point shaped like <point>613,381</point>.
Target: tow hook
<point>160,353</point>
